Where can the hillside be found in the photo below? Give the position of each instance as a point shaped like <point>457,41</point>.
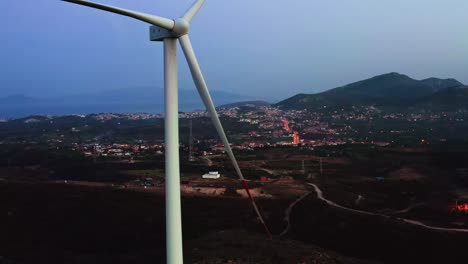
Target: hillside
<point>440,84</point>
<point>451,98</point>
<point>392,89</point>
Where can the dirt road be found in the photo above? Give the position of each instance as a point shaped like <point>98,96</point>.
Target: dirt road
<point>288,213</point>
<point>409,221</point>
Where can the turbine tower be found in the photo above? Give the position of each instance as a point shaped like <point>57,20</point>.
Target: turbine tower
<point>169,31</point>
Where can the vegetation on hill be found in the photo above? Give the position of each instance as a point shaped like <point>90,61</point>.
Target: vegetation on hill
<point>452,98</point>
<point>388,90</point>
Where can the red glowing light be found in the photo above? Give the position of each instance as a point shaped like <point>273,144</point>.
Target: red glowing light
<point>286,125</point>
<point>460,207</point>
<point>296,139</point>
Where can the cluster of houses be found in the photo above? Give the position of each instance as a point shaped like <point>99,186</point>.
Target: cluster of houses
<point>118,150</point>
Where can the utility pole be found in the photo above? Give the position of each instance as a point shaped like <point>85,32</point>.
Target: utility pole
<point>191,158</point>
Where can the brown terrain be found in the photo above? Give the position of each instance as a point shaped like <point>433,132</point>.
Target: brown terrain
<point>346,214</point>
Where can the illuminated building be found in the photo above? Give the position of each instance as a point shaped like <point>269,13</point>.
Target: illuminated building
<point>296,138</point>
<point>286,125</point>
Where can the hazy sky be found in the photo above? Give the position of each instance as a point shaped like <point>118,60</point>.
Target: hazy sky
<point>264,48</point>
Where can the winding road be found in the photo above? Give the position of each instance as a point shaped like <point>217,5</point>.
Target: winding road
<point>408,221</point>
<point>288,212</point>
<point>406,210</point>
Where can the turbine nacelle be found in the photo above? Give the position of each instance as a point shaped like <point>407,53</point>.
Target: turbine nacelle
<point>181,27</point>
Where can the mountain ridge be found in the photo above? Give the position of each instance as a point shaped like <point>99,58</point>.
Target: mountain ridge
<point>391,89</point>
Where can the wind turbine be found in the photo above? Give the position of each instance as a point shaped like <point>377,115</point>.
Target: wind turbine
<point>168,31</point>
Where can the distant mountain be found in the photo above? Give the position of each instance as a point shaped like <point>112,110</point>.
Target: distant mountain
<point>138,99</point>
<point>17,99</point>
<point>392,89</point>
<point>135,95</point>
<point>245,103</point>
<point>147,95</point>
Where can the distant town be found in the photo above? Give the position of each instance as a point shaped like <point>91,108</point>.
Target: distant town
<point>249,127</point>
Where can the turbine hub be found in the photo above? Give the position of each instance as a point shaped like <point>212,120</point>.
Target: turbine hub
<point>181,27</point>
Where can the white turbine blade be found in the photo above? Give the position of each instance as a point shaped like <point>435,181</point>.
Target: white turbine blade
<point>192,11</point>
<point>205,95</point>
<point>154,20</point>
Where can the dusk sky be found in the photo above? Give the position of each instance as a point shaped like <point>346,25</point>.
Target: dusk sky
<point>261,48</point>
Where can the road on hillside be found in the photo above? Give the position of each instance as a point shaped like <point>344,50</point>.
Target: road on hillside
<point>288,212</point>
<point>408,221</point>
